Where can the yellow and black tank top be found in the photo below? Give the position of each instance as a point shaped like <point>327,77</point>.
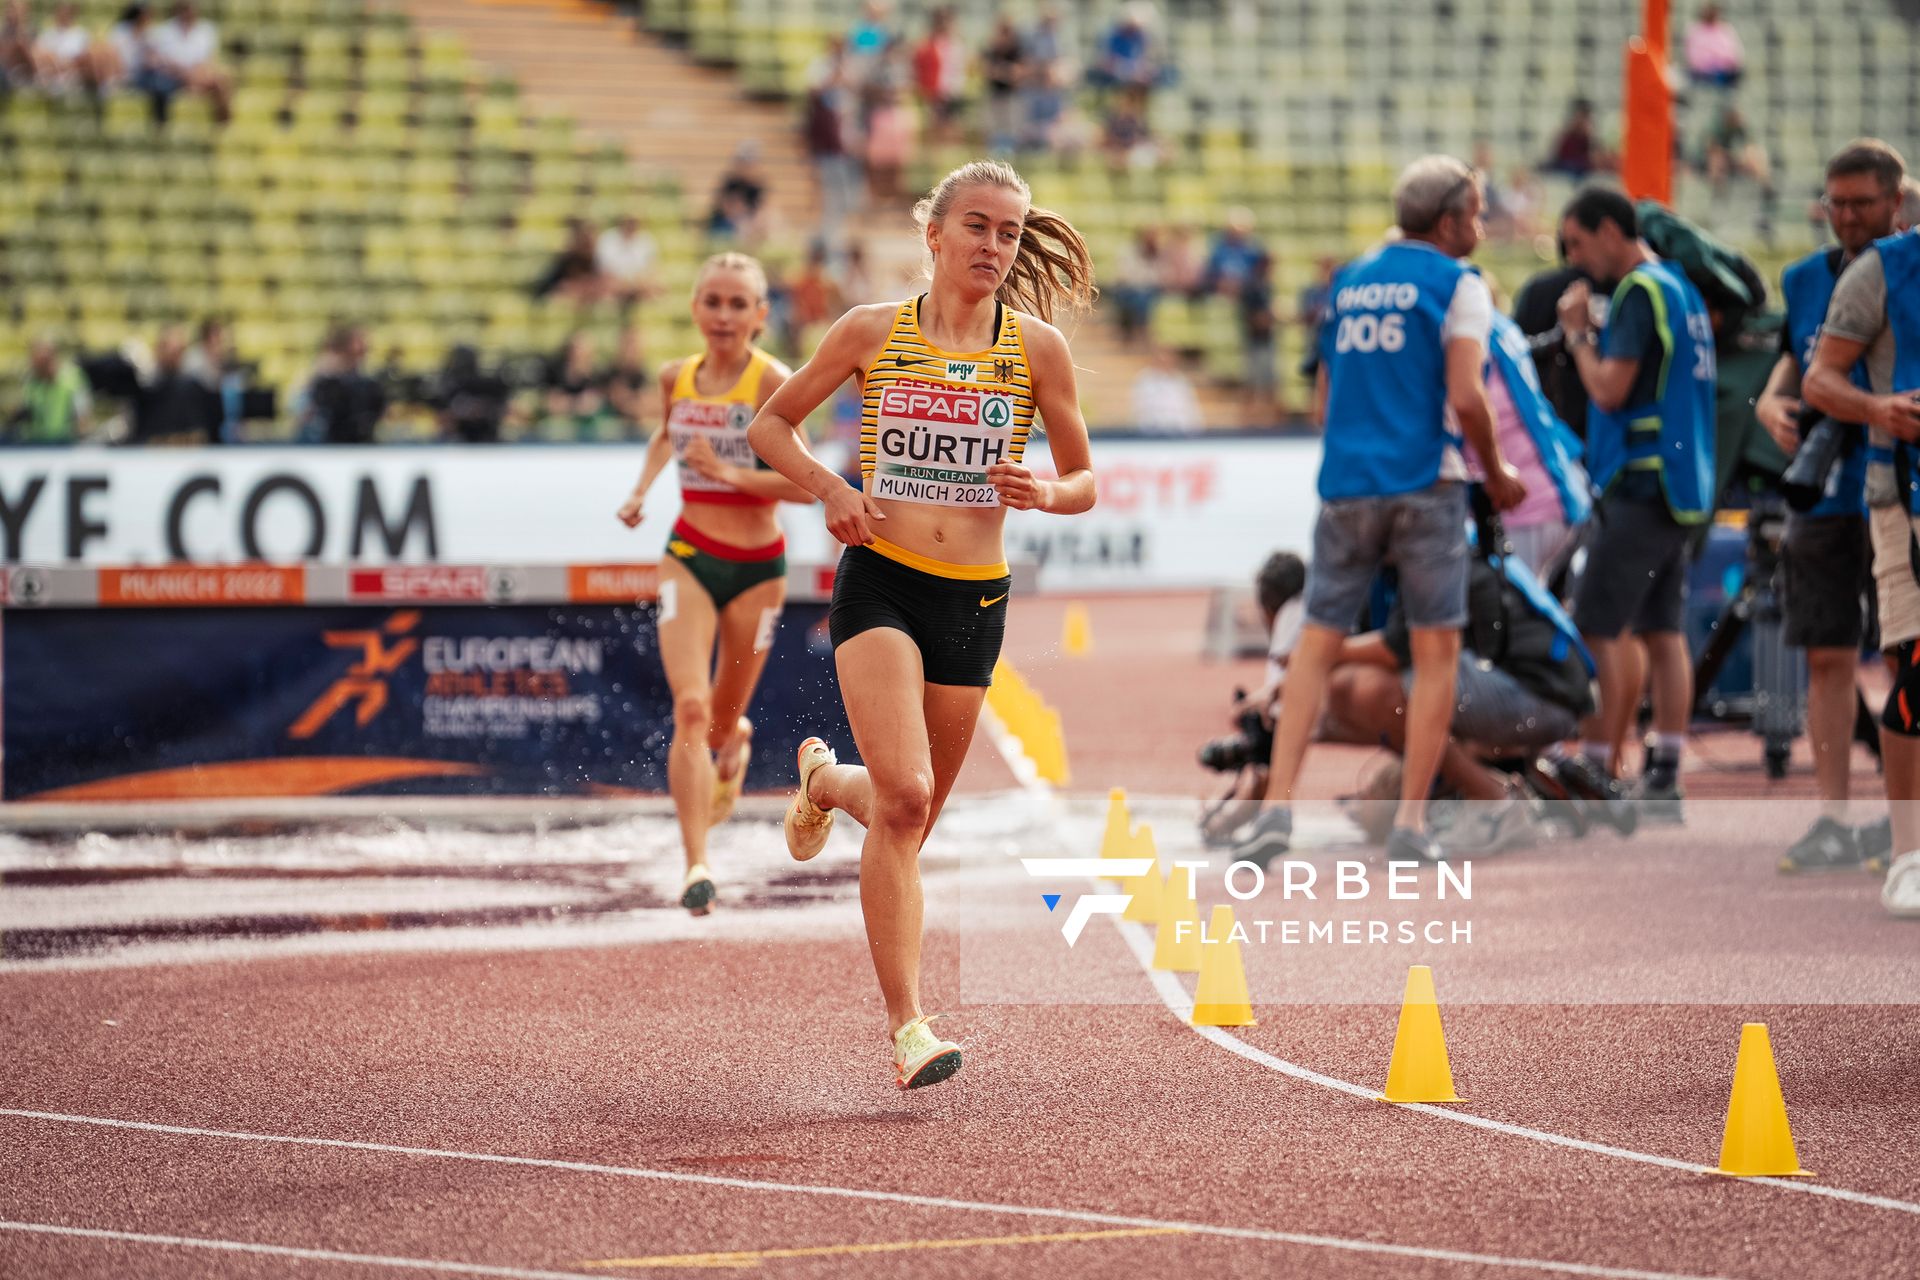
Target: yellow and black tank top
<point>932,422</point>
<point>722,421</point>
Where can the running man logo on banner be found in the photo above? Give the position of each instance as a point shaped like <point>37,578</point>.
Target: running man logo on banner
<point>936,442</point>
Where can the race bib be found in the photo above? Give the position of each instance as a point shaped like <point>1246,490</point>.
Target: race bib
<point>934,443</point>
<point>724,426</point>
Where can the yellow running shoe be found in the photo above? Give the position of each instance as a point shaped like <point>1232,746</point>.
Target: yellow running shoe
<point>697,894</point>
<point>807,823</point>
<point>921,1058</point>
<point>726,791</point>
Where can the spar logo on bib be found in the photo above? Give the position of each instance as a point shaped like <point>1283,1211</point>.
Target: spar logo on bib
<point>935,442</point>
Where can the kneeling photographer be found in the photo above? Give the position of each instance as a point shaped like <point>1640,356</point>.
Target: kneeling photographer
<point>1525,680</point>
<point>1829,552</point>
<point>1280,588</point>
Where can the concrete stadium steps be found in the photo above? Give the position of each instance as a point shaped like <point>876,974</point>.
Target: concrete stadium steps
<point>592,63</point>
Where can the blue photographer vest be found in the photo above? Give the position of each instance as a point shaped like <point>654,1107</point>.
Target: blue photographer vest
<point>1558,447</point>
<point>1808,286</point>
<point>1672,434</point>
<point>1386,364</point>
<point>1900,260</point>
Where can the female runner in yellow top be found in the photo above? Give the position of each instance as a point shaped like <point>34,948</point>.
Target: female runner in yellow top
<point>951,381</point>
<point>725,570</point>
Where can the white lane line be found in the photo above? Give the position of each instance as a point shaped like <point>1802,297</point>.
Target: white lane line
<point>1340,1243</point>
<point>1174,995</point>
<point>288,1251</point>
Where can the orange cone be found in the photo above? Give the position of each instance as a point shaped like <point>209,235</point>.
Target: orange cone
<point>1149,890</point>
<point>1115,840</point>
<point>1177,949</point>
<point>1758,1142</point>
<point>1419,1071</point>
<point>1220,997</point>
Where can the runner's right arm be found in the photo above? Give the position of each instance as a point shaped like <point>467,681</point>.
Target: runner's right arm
<point>775,433</point>
<point>659,450</point>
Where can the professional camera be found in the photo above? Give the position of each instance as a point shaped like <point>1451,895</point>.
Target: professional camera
<point>1250,743</point>
<point>1823,443</point>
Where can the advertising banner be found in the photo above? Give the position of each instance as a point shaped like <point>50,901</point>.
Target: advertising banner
<point>1172,513</point>
<point>216,702</point>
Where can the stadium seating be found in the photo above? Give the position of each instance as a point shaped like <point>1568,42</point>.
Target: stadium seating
<point>373,170</point>
<point>369,172</point>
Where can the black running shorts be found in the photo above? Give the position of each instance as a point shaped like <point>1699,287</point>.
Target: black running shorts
<point>956,623</point>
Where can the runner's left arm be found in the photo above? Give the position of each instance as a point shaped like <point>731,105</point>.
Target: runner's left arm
<point>1057,398</point>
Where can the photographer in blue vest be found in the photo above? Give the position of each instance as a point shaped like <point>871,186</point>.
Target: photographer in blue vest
<point>1403,354</point>
<point>1829,555</point>
<point>1650,376</point>
<point>1874,317</point>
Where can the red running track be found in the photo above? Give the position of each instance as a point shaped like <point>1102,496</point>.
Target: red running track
<point>727,1104</point>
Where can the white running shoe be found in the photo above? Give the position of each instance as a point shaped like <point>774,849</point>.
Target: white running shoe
<point>697,893</point>
<point>807,823</point>
<point>1901,894</point>
<point>726,791</point>
<point>921,1058</point>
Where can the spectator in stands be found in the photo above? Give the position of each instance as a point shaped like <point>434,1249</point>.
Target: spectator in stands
<point>1649,374</point>
<point>1259,332</point>
<point>1044,96</point>
<point>170,405</point>
<point>343,404</point>
<point>1003,65</point>
<point>1715,57</point>
<point>1402,378</point>
<point>1730,150</point>
<point>183,53</point>
<point>888,139</point>
<point>1576,151</point>
<point>857,286</point>
<point>739,202</point>
<point>209,361</point>
<point>833,143</point>
<point>623,258</point>
<point>1128,58</point>
<point>1233,256</point>
<point>127,57</point>
<point>1180,263</point>
<point>57,403</point>
<point>870,35</point>
<point>470,402</point>
<point>816,300</point>
<point>16,45</point>
<point>1163,398</point>
<point>631,389</point>
<point>64,59</point>
<point>1124,136</point>
<point>1314,301</point>
<point>939,75</point>
<point>576,387</point>
<point>1135,283</point>
<point>574,273</point>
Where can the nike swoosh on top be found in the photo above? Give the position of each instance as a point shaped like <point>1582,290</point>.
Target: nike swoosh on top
<point>986,603</point>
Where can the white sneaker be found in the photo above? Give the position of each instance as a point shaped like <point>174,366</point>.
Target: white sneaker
<point>726,791</point>
<point>807,823</point>
<point>697,893</point>
<point>921,1058</point>
<point>1901,894</point>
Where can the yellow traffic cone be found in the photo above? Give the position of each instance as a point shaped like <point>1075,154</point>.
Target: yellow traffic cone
<point>1114,840</point>
<point>1419,1071</point>
<point>1220,997</point>
<point>1076,634</point>
<point>1150,890</point>
<point>1177,949</point>
<point>1758,1142</point>
<point>1049,750</point>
